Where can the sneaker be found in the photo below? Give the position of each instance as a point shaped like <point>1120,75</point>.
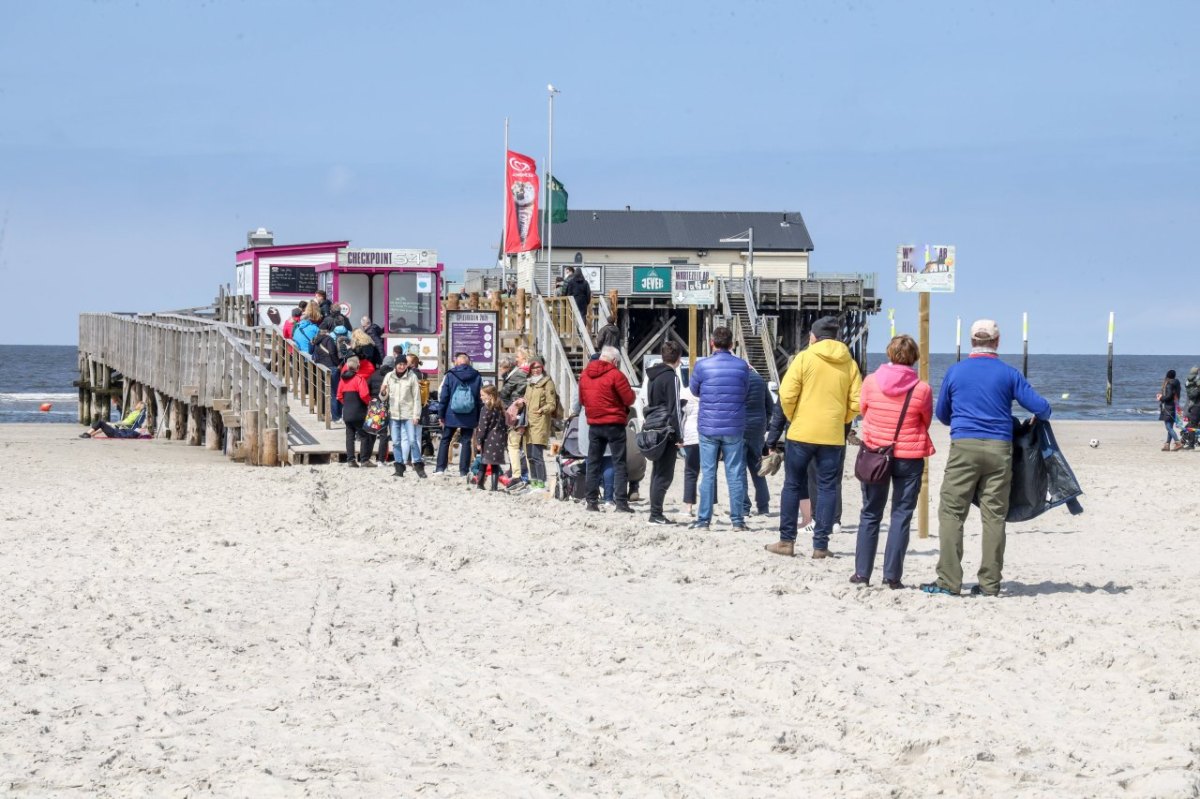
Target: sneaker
<point>934,588</point>
<point>858,579</point>
<point>368,464</point>
<point>837,528</point>
<point>698,526</point>
<point>439,472</point>
<point>353,464</point>
<point>622,507</point>
<point>821,554</point>
<point>895,585</point>
<point>785,548</point>
<point>741,528</point>
<point>594,507</point>
<point>808,529</point>
<point>658,518</point>
<point>85,435</point>
<point>977,590</point>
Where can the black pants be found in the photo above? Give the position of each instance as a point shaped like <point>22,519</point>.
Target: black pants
<point>385,435</point>
<point>354,430</point>
<point>537,462</point>
<point>661,477</point>
<point>611,436</point>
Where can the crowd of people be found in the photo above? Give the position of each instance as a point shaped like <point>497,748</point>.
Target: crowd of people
<point>1181,427</point>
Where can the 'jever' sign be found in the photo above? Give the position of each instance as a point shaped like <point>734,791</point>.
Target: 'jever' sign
<point>652,280</point>
<point>292,279</point>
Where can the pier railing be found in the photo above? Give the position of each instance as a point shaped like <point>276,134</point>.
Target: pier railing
<point>199,382</point>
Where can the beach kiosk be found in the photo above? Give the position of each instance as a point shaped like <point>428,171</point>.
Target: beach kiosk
<point>400,289</point>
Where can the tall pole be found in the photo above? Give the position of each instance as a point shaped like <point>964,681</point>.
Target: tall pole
<point>1108,391</point>
<point>750,260</point>
<point>1025,344</point>
<point>507,200</point>
<point>550,92</point>
<point>891,323</point>
<point>958,339</point>
<point>923,500</point>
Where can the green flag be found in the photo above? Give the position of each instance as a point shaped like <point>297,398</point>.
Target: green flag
<point>558,201</point>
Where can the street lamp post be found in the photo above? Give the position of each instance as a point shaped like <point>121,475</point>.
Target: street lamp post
<point>550,92</point>
<point>748,239</point>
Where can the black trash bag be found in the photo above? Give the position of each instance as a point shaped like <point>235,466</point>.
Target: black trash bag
<point>1041,478</point>
<point>656,432</point>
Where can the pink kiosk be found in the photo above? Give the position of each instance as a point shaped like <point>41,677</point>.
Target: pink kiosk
<point>399,289</point>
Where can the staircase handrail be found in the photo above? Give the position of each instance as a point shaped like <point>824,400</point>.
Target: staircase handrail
<point>751,308</point>
<point>549,346</point>
<point>768,343</point>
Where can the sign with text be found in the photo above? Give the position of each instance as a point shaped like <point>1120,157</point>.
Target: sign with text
<point>476,333</point>
<point>374,258</point>
<point>693,287</point>
<point>652,280</point>
<point>925,270</point>
<point>292,279</point>
<point>427,347</point>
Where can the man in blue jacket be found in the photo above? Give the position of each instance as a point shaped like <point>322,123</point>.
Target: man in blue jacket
<point>460,404</point>
<point>721,383</point>
<point>975,400</point>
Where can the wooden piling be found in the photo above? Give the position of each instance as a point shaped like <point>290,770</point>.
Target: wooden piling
<point>250,437</point>
<point>1025,344</point>
<point>1108,391</point>
<point>270,440</point>
<point>923,500</point>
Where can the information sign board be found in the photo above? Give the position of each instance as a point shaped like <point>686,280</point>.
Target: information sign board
<point>476,334</point>
<point>693,287</point>
<point>929,270</point>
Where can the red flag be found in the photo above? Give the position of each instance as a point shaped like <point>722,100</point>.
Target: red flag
<point>522,234</point>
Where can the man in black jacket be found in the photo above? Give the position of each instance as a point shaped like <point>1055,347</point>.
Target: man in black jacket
<point>576,287</point>
<point>662,391</point>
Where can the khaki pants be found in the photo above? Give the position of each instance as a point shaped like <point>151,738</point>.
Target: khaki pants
<point>983,466</point>
<point>516,447</point>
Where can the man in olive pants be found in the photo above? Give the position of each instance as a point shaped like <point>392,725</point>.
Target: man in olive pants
<point>976,400</point>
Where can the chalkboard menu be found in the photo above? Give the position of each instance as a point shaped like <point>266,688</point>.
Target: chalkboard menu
<point>293,279</point>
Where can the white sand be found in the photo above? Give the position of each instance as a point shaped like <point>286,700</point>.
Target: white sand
<point>178,625</point>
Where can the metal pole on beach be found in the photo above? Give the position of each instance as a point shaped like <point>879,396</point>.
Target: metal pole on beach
<point>923,500</point>
<point>957,339</point>
<point>507,200</point>
<point>550,91</point>
<point>1108,391</point>
<point>1025,344</point>
<point>892,323</point>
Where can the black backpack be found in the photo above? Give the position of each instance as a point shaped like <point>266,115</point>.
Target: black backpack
<point>656,435</point>
<point>344,350</point>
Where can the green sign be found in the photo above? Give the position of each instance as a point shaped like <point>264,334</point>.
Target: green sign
<point>652,280</point>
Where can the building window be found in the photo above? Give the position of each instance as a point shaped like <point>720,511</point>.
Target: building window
<point>410,302</point>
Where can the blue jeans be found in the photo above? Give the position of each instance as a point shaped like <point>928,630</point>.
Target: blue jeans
<point>795,488</point>
<point>406,441</point>
<point>606,478</point>
<point>762,493</point>
<point>1171,436</point>
<point>906,488</point>
<point>733,449</point>
<point>335,405</point>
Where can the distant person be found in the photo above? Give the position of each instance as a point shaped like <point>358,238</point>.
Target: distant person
<point>402,390</point>
<point>365,349</point>
<point>662,394</point>
<point>290,323</point>
<point>339,318</point>
<point>323,303</point>
<point>540,403</point>
<point>1168,399</point>
<point>1192,387</point>
<point>491,435</point>
<point>354,393</point>
<point>975,400</point>
<point>691,448</point>
<point>375,332</point>
<point>819,396</point>
<point>459,412</point>
<point>897,409</point>
<point>305,330</point>
<point>721,382</point>
<point>325,353</point>
<point>514,376</point>
<point>384,435</point>
<point>606,396</point>
<point>608,336</point>
<point>576,287</point>
<point>132,425</point>
<point>759,406</point>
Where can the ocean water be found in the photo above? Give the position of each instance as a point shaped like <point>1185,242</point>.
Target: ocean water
<point>33,375</point>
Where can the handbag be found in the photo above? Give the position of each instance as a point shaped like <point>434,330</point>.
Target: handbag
<point>377,416</point>
<point>874,464</point>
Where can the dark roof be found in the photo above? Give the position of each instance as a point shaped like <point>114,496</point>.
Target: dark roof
<point>681,230</point>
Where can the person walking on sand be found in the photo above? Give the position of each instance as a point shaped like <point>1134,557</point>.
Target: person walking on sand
<point>721,381</point>
<point>819,397</point>
<point>1168,398</point>
<point>897,409</point>
<point>975,400</point>
<point>662,393</point>
<point>605,395</point>
<point>491,436</point>
<point>402,390</point>
<point>459,412</point>
<point>540,404</point>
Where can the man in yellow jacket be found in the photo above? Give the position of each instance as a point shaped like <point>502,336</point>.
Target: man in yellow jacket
<point>819,397</point>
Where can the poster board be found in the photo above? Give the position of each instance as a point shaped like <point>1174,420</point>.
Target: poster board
<point>477,334</point>
<point>300,280</point>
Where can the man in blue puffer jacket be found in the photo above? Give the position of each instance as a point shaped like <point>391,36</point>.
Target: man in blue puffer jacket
<point>721,382</point>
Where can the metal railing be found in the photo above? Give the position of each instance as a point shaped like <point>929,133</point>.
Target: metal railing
<point>604,316</point>
<point>548,341</point>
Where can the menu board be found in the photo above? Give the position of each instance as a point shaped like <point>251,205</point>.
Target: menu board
<point>476,334</point>
<point>292,279</point>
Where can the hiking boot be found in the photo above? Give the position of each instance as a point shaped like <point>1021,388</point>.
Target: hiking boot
<point>821,554</point>
<point>419,468</point>
<point>785,548</point>
<point>1178,446</point>
<point>399,469</point>
<point>593,506</point>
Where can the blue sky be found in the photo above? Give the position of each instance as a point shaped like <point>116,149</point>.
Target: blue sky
<point>1055,143</point>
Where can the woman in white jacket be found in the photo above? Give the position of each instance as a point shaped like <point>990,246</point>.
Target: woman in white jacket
<point>691,448</point>
<point>402,390</point>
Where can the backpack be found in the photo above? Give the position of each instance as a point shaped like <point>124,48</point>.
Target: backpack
<point>344,350</point>
<point>462,401</point>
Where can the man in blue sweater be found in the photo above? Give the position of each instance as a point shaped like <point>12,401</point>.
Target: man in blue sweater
<point>976,400</point>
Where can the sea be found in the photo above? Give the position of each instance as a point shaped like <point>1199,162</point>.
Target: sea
<point>35,376</point>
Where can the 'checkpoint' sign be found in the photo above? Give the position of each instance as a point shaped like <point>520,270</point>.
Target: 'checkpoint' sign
<point>927,270</point>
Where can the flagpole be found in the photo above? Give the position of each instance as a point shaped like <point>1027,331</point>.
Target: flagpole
<point>507,200</point>
<point>550,92</point>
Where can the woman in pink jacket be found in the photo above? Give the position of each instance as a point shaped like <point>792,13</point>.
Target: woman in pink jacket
<point>883,395</point>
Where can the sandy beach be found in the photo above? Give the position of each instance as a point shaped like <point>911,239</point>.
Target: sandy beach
<point>179,625</point>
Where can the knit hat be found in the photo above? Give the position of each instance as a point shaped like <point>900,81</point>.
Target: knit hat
<point>825,327</point>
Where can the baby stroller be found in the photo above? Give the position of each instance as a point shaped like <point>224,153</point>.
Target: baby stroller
<point>430,426</point>
<point>571,464</point>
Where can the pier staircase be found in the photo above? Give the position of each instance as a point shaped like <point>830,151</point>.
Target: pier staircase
<point>752,336</point>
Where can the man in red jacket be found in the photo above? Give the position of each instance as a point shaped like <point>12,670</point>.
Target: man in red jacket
<point>605,395</point>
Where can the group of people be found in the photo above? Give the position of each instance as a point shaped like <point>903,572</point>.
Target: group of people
<point>1170,402</point>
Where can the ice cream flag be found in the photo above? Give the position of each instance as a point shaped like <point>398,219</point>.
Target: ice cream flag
<point>558,201</point>
<point>521,234</point>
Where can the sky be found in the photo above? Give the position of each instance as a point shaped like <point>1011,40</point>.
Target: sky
<point>1055,144</point>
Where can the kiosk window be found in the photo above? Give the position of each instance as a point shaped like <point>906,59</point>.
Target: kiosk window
<point>410,303</point>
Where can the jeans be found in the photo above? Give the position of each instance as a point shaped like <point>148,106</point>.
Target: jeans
<point>795,485</point>
<point>611,436</point>
<point>733,448</point>
<point>1171,435</point>
<point>335,405</point>
<point>691,472</point>
<point>905,483</point>
<point>975,467</point>
<point>464,449</point>
<point>762,493</point>
<point>606,478</point>
<point>661,477</point>
<point>406,441</point>
<point>537,463</point>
